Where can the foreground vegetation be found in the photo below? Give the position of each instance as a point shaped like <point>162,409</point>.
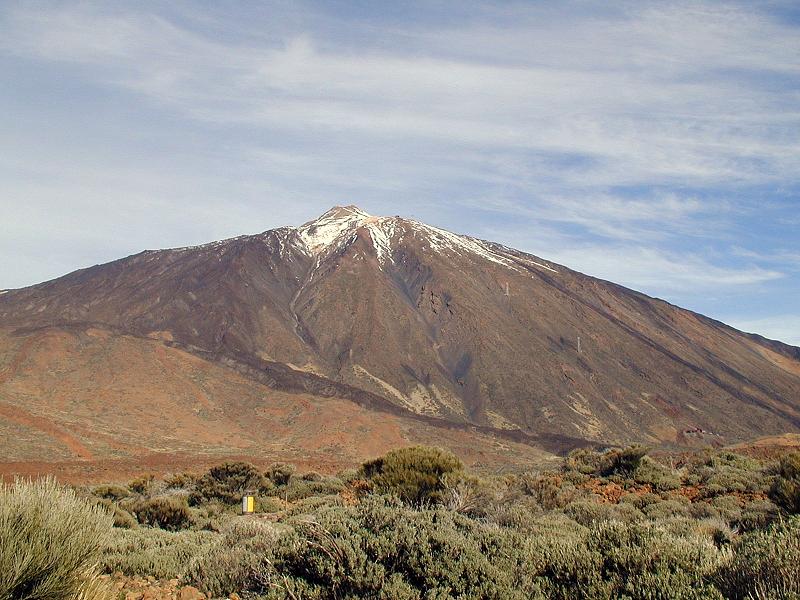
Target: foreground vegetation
<point>414,524</point>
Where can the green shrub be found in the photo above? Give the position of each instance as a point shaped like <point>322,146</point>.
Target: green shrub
<point>233,562</point>
<point>640,501</point>
<point>381,549</point>
<point>349,476</point>
<point>728,473</point>
<point>111,492</point>
<point>728,507</point>
<point>122,518</point>
<point>645,561</point>
<point>757,515</point>
<point>269,504</point>
<point>587,512</point>
<point>766,565</point>
<point>520,516</point>
<point>170,512</point>
<point>154,552</point>
<point>626,461</point>
<point>299,488</point>
<point>621,462</point>
<point>656,475</point>
<point>181,481</point>
<point>280,474</point>
<point>549,492</point>
<point>213,515</point>
<point>416,474</point>
<point>142,485</point>
<point>704,510</point>
<point>785,491</point>
<point>228,482</point>
<point>50,541</point>
<point>666,509</point>
<point>718,530</point>
<point>311,505</point>
<point>587,461</point>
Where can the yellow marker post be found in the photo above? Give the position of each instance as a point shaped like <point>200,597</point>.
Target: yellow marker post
<point>248,505</point>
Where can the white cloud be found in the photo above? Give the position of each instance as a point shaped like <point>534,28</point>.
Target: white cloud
<point>657,271</point>
<point>646,96</point>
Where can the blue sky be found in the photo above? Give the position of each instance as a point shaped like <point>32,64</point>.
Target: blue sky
<point>653,144</point>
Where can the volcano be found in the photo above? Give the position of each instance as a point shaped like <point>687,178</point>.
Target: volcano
<point>351,334</point>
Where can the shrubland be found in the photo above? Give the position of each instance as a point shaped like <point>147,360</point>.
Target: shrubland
<point>415,524</point>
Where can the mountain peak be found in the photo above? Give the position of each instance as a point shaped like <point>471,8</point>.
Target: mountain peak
<point>326,229</point>
<point>341,212</point>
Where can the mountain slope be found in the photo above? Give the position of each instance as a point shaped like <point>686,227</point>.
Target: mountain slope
<point>411,320</point>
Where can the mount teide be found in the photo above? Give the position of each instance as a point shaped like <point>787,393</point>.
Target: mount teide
<point>372,320</point>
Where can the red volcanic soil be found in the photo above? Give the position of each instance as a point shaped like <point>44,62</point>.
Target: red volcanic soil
<point>90,406</point>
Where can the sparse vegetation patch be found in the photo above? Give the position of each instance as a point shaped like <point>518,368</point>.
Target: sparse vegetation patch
<point>414,524</point>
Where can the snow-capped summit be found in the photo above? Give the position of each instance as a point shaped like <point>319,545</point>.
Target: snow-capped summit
<point>326,229</point>
<point>338,227</point>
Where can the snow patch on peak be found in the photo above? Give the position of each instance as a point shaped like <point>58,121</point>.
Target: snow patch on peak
<point>208,246</point>
<point>442,240</point>
<point>321,233</point>
<point>339,227</point>
<point>381,230</point>
<point>285,241</point>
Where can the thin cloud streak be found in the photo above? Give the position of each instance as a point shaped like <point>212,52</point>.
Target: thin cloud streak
<point>695,125</point>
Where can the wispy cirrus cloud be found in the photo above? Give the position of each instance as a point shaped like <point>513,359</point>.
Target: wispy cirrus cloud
<point>666,108</point>
<point>639,140</point>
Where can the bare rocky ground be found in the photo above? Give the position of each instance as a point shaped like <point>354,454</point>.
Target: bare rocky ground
<point>150,588</point>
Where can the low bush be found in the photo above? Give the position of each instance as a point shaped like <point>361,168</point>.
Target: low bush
<point>645,561</point>
<point>300,488</point>
<point>170,512</point>
<point>639,500</point>
<point>417,474</point>
<point>548,491</point>
<point>142,485</point>
<point>122,518</point>
<point>666,509</point>
<point>728,508</point>
<point>650,472</point>
<point>212,516</point>
<point>233,563</point>
<point>785,491</point>
<point>765,565</point>
<point>181,481</point>
<point>728,473</point>
<point>619,462</point>
<point>111,492</point>
<point>280,474</point>
<point>50,541</point>
<point>269,504</point>
<point>757,515</point>
<point>718,530</point>
<point>228,482</point>
<point>154,552</point>
<point>381,549</point>
<point>587,512</point>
